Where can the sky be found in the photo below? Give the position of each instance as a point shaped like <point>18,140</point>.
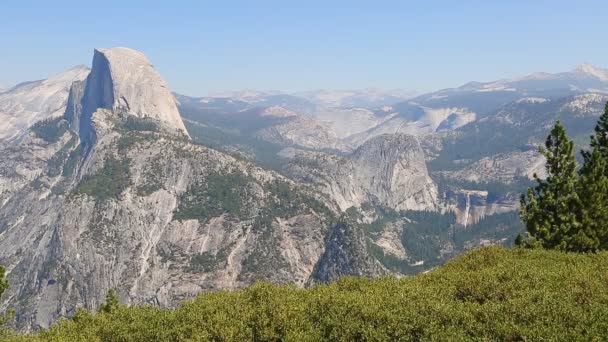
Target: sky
<point>202,47</point>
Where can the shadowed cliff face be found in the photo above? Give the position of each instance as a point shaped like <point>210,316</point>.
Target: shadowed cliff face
<point>122,81</point>
<point>98,93</point>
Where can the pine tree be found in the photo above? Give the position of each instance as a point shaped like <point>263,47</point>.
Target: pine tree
<point>519,240</point>
<point>592,190</point>
<point>3,281</point>
<point>550,210</point>
<point>593,187</point>
<point>5,332</point>
<point>600,138</point>
<point>112,302</point>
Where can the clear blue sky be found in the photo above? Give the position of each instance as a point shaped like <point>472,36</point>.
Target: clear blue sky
<point>206,46</point>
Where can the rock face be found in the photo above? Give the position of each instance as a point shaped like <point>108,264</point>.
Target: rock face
<point>302,131</point>
<point>503,167</point>
<point>141,209</point>
<point>276,124</point>
<point>348,121</point>
<point>123,80</point>
<point>413,119</point>
<point>142,220</point>
<point>347,253</point>
<point>389,170</point>
<point>471,206</point>
<point>26,103</point>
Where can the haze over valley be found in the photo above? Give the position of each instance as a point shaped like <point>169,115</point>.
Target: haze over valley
<point>303,171</point>
<point>110,180</point>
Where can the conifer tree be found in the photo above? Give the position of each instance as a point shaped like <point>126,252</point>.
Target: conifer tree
<point>592,191</point>
<point>550,210</point>
<point>112,302</point>
<point>3,281</point>
<point>593,187</point>
<point>4,318</point>
<point>600,138</point>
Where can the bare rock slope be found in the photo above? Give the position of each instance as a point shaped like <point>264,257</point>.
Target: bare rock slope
<point>115,195</point>
<point>388,170</point>
<point>26,103</point>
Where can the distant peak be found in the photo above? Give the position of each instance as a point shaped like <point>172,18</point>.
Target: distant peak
<point>278,111</point>
<point>122,53</point>
<point>122,80</point>
<point>76,73</point>
<point>79,67</point>
<point>593,71</point>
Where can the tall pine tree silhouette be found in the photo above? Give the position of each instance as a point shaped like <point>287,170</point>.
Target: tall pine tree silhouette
<point>593,190</point>
<point>599,140</point>
<point>550,210</point>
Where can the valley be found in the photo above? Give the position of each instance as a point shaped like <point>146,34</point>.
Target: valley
<point>110,180</point>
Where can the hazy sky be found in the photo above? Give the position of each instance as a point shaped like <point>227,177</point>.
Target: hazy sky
<point>207,46</point>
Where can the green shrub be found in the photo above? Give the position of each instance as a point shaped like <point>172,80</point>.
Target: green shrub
<point>488,294</point>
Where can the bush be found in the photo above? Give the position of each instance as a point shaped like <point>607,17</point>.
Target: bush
<point>488,294</point>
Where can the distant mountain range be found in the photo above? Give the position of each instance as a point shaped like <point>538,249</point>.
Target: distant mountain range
<point>365,98</point>
<point>28,102</point>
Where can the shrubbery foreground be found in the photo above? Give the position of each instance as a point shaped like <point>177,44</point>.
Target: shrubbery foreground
<point>491,293</point>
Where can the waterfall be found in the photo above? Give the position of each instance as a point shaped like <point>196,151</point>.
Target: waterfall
<point>467,208</point>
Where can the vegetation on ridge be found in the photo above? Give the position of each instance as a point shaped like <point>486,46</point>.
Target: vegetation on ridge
<point>108,182</point>
<point>488,294</point>
<point>50,130</point>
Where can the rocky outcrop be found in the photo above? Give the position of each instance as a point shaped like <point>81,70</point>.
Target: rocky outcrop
<point>301,131</point>
<point>389,170</point>
<point>122,80</point>
<point>347,254</point>
<point>413,119</point>
<point>157,218</point>
<point>348,121</point>
<point>27,103</point>
<point>504,167</point>
<point>472,206</point>
<point>141,209</point>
